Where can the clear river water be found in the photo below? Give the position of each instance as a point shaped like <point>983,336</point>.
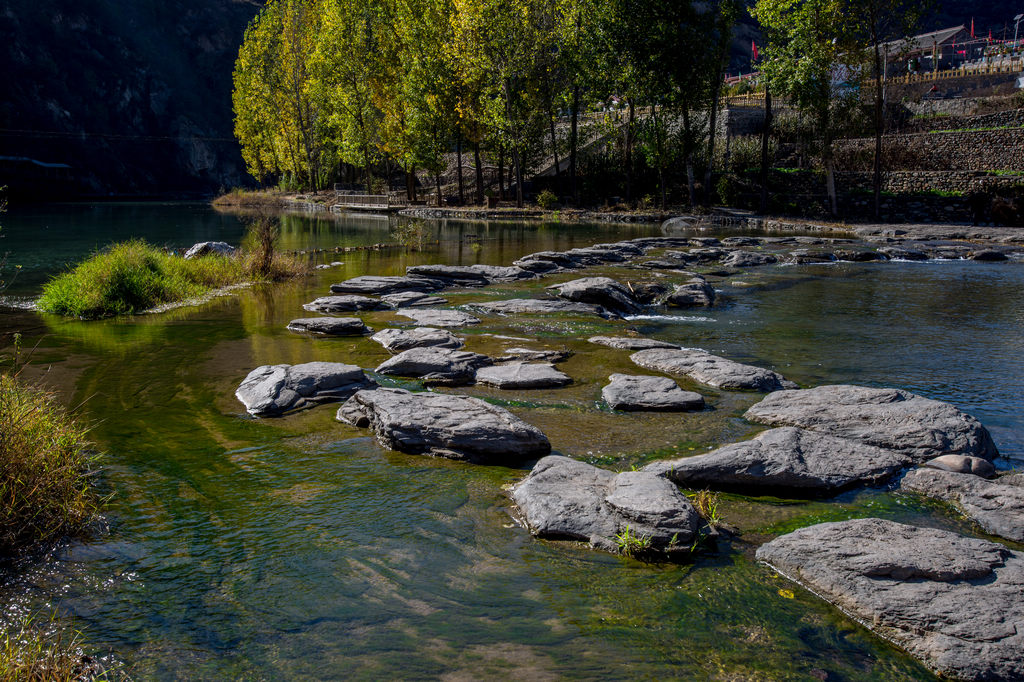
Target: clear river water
<point>297,548</point>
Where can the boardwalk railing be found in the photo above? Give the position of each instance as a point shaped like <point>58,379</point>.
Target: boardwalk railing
<point>370,201</point>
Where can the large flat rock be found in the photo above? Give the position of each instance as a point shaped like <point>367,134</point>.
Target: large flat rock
<point>995,506</point>
<point>271,390</point>
<point>696,292</point>
<point>602,291</point>
<point>522,375</point>
<point>372,284</point>
<point>470,275</point>
<point>429,317</point>
<point>453,426</point>
<point>410,299</point>
<point>886,417</point>
<point>344,304</point>
<point>566,499</point>
<point>789,459</point>
<point>398,340</point>
<point>543,306</point>
<point>711,370</point>
<point>330,326</point>
<point>646,393</point>
<point>435,364</point>
<point>953,602</point>
<point>630,342</point>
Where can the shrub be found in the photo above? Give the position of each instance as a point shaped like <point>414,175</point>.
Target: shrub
<point>45,468</point>
<point>727,190</point>
<point>547,200</point>
<point>248,199</point>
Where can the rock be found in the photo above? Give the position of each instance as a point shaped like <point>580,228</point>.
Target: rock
<point>648,292</point>
<point>453,426</point>
<point>887,417</point>
<point>711,370</point>
<point>370,284</point>
<point>274,389</point>
<point>531,355</point>
<point>805,257</point>
<point>951,601</point>
<point>566,499</point>
<point>207,248</point>
<point>398,340</point>
<point>439,318</point>
<point>786,459</point>
<point>630,342</point>
<point>960,464</point>
<point>543,306</point>
<point>435,364</point>
<point>344,304</point>
<point>601,291</point>
<point>627,392</point>
<point>746,259</point>
<point>741,241</point>
<point>470,275</point>
<point>522,375</point>
<point>997,508</point>
<point>858,256</point>
<point>554,259</point>
<point>407,299</point>
<point>696,292</point>
<point>897,253</point>
<point>988,255</point>
<point>704,241</point>
<point>663,265</point>
<point>330,326</point>
<point>593,255</point>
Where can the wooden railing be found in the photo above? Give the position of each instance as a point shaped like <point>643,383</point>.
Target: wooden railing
<point>370,201</point>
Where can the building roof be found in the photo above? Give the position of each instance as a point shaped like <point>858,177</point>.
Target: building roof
<point>924,42</point>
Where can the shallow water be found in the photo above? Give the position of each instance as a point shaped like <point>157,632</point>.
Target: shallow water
<point>297,549</point>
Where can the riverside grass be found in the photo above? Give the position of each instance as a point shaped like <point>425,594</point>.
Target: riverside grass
<point>132,277</point>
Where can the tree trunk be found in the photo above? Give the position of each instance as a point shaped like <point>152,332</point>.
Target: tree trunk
<point>458,155</point>
<point>554,148</point>
<point>573,142</point>
<point>629,152</point>
<point>712,135</point>
<point>409,185</point>
<point>879,126</point>
<point>766,135</point>
<point>437,183</point>
<point>501,174</point>
<point>479,174</point>
<point>517,159</point>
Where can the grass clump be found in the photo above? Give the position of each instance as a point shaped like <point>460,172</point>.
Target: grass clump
<point>132,277</point>
<point>45,468</point>
<point>706,504</point>
<point>29,652</point>
<point>245,198</point>
<point>631,544</point>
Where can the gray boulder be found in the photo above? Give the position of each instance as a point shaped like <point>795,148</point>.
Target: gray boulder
<point>532,355</point>
<point>630,343</point>
<point>439,318</point>
<point>371,284</point>
<point>398,340</point>
<point>407,299</point>
<point>435,364</point>
<point>787,459</point>
<point>696,292</point>
<point>566,499</point>
<point>330,326</point>
<point>522,375</point>
<point>602,291</point>
<point>711,370</point>
<point>470,275</point>
<point>897,253</point>
<point>344,304</point>
<point>207,248</point>
<point>953,602</point>
<point>961,464</point>
<point>542,306</point>
<point>996,507</point>
<point>747,259</point>
<point>453,426</point>
<point>646,393</point>
<point>887,417</point>
<point>275,389</point>
<point>741,241</point>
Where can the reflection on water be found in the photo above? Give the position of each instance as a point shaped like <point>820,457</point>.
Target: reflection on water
<point>297,549</point>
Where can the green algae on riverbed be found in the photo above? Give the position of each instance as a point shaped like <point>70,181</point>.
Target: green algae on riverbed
<point>297,548</point>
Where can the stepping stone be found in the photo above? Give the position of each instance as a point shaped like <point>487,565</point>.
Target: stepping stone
<point>330,326</point>
<point>563,499</point>
<point>370,284</point>
<point>997,507</point>
<point>272,390</point>
<point>711,370</point>
<point>406,299</point>
<point>531,355</point>
<point>398,340</point>
<point>746,259</point>
<point>696,292</point>
<point>521,375</point>
<point>439,318</point>
<point>435,364</point>
<point>786,459</point>
<point>638,393</point>
<point>470,275</point>
<point>886,417</point>
<point>344,304</point>
<point>602,291</point>
<point>543,306</point>
<point>950,601</point>
<point>441,425</point>
<point>630,342</point>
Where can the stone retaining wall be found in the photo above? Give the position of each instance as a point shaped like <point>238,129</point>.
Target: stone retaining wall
<point>961,150</point>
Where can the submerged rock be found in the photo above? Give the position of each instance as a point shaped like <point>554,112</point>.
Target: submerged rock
<point>786,459</point>
<point>542,306</point>
<point>602,291</point>
<point>953,602</point>
<point>996,507</point>
<point>453,426</point>
<point>371,284</point>
<point>522,375</point>
<point>344,304</point>
<point>398,340</point>
<point>630,342</point>
<point>435,364</point>
<point>330,326</point>
<point>564,499</point>
<point>696,292</point>
<point>275,389</point>
<point>887,417</point>
<point>636,393</point>
<point>207,248</point>
<point>439,318</point>
<point>711,370</point>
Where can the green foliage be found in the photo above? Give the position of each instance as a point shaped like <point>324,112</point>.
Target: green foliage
<point>706,504</point>
<point>547,200</point>
<point>47,652</point>
<point>727,190</point>
<point>632,545</point>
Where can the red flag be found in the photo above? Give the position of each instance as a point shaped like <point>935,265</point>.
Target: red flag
<point>753,48</point>
<point>972,27</point>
